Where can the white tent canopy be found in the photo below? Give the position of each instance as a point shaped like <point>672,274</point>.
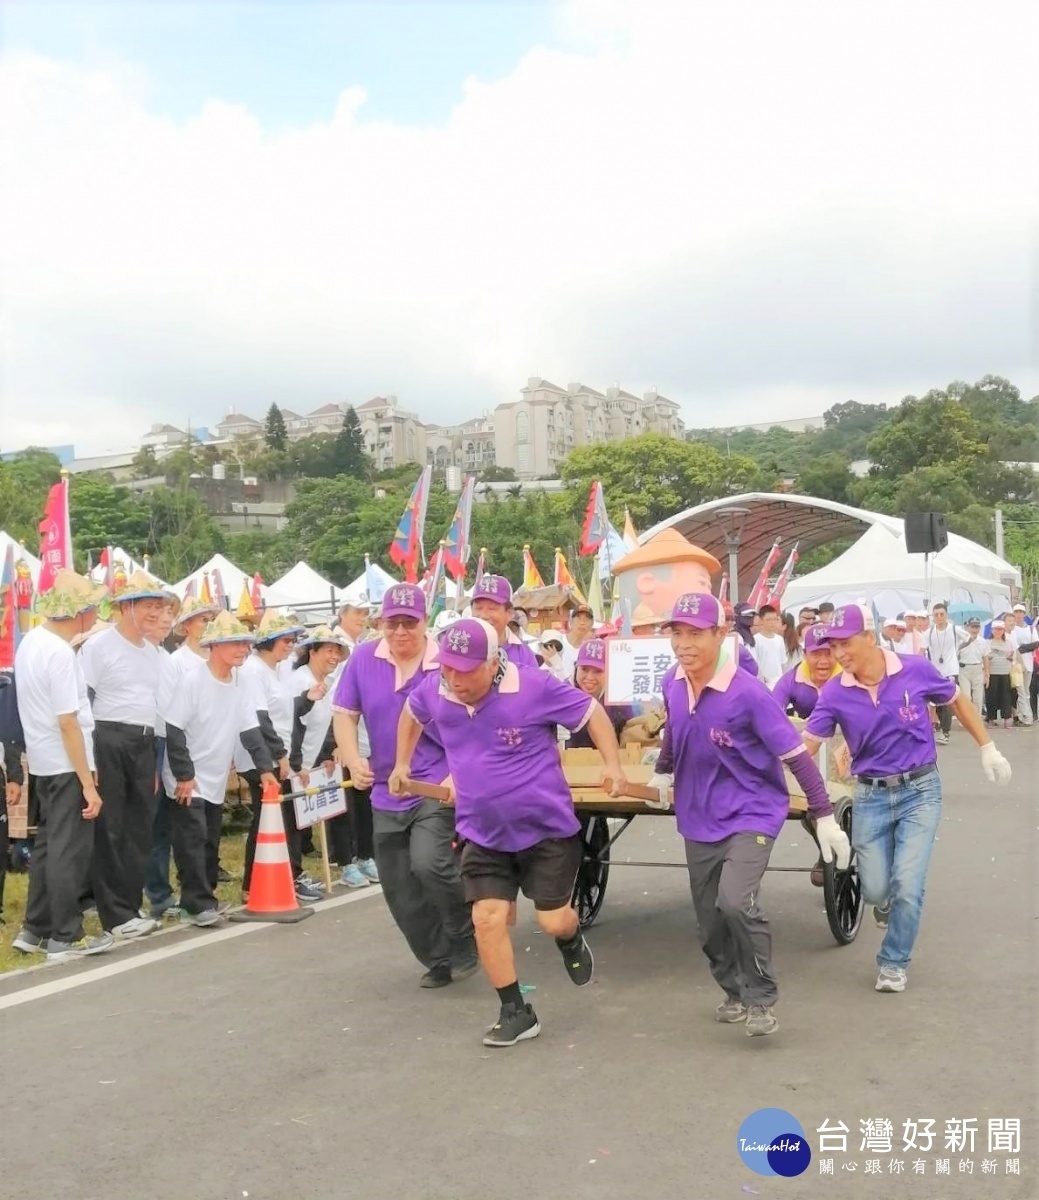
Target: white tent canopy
<point>20,552</point>
<point>232,578</point>
<point>879,570</point>
<point>300,586</point>
<point>369,587</point>
<point>121,560</point>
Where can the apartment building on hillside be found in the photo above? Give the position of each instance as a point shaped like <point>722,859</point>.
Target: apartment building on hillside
<point>391,436</point>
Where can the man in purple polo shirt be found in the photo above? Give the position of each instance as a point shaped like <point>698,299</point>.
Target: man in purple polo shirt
<point>880,703</point>
<point>492,602</point>
<point>413,837</point>
<point>799,688</point>
<point>727,742</point>
<point>513,809</point>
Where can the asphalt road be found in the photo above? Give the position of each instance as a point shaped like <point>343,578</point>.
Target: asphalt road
<point>305,1061</point>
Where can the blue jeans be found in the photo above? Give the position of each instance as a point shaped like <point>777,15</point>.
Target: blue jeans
<point>893,830</point>
<point>157,881</point>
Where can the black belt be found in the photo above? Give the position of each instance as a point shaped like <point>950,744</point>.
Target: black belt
<point>887,781</point>
<point>147,731</point>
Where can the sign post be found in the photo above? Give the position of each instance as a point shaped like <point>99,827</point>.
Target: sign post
<point>322,798</point>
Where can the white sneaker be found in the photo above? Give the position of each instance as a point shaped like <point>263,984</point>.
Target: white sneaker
<point>891,979</point>
<point>136,927</point>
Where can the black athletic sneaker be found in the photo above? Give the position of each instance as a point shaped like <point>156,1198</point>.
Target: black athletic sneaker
<point>578,962</point>
<point>514,1024</point>
<point>436,977</point>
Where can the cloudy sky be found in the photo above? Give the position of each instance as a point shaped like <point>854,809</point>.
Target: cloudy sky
<point>760,209</point>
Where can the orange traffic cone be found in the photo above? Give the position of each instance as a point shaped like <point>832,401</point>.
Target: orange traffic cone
<point>272,894</point>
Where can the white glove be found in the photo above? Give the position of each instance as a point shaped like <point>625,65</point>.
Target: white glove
<point>994,764</point>
<point>833,842</point>
<point>663,784</point>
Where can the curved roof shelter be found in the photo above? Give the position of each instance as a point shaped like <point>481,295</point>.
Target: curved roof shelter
<point>810,522</point>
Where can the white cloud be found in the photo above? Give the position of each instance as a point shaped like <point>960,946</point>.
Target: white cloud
<point>744,205</point>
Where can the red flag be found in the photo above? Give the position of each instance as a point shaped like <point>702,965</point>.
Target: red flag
<point>760,590</point>
<point>407,541</point>
<point>56,535</point>
<point>776,595</point>
<point>456,544</point>
<point>257,598</point>
<point>8,611</point>
<point>596,526</point>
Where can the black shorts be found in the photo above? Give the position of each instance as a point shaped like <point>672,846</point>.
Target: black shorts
<point>545,873</point>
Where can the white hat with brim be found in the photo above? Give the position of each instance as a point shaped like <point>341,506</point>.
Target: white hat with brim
<point>194,607</point>
<point>70,596</point>
<point>226,628</point>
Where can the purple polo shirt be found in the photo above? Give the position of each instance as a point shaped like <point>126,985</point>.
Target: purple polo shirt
<point>725,752</point>
<point>517,651</point>
<point>887,728</point>
<point>370,686</point>
<point>510,789</point>
<point>797,689</point>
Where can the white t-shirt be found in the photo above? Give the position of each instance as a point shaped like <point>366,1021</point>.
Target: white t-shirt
<point>50,684</point>
<point>972,651</point>
<point>1024,635</point>
<point>212,715</point>
<point>123,677</point>
<point>269,693</point>
<point>770,655</point>
<point>317,721</point>
<point>943,646</point>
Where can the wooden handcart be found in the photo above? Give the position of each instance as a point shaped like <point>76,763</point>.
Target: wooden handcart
<point>596,809</point>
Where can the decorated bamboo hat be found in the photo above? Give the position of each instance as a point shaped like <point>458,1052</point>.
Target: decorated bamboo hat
<point>325,635</point>
<point>71,595</point>
<point>274,625</point>
<point>193,606</point>
<point>225,627</point>
<point>140,586</point>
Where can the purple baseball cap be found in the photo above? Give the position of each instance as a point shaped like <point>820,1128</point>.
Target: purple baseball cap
<point>404,600</point>
<point>467,644</point>
<point>816,638</point>
<point>698,610</point>
<point>848,620</point>
<point>493,587</point>
<point>592,654</point>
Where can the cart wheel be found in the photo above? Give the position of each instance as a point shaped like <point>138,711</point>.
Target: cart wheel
<point>841,889</point>
<point>592,875</point>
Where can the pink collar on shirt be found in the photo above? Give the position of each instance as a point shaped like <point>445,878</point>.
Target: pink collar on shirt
<point>892,665</point>
<point>719,681</point>
<point>428,663</point>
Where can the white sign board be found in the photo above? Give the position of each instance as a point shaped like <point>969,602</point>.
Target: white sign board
<point>635,669</point>
<point>328,800</point>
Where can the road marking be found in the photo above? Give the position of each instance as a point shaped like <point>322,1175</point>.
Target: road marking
<point>106,969</point>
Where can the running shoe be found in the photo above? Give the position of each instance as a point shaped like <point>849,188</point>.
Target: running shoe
<point>368,869</point>
<point>354,877</point>
<point>891,979</point>
<point>761,1020</point>
<point>731,1011</point>
<point>65,951</point>
<point>578,960</point>
<point>516,1023</point>
<point>436,977</point>
<point>29,943</point>
<point>136,927</point>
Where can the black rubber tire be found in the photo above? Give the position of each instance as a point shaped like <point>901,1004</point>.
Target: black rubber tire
<point>842,891</point>
<point>594,872</point>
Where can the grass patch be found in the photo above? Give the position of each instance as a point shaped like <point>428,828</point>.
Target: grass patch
<point>232,859</point>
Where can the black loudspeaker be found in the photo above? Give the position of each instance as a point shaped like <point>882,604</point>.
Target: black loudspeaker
<point>926,532</point>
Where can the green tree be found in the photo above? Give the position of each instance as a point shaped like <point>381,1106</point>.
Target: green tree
<point>654,476</point>
<point>24,483</point>
<point>182,533</point>
<point>828,477</point>
<point>146,463</point>
<point>932,431</point>
<point>103,515</point>
<point>274,433</point>
<point>350,458</point>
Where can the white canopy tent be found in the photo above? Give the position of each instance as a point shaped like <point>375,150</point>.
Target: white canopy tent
<point>879,570</point>
<point>369,587</point>
<point>122,561</point>
<point>231,577</point>
<point>302,586</point>
<point>20,552</point>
